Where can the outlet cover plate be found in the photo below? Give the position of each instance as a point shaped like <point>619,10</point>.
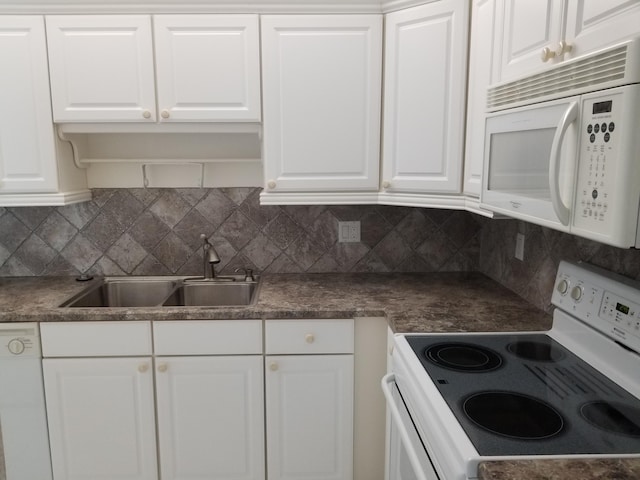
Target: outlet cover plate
<point>349,232</point>
<point>520,246</point>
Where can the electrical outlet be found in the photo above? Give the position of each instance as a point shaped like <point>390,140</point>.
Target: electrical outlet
<point>349,232</point>
<point>520,246</point>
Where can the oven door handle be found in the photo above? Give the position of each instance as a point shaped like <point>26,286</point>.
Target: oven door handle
<point>387,380</point>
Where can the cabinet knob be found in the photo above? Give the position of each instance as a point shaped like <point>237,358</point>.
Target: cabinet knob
<point>386,184</point>
<point>143,367</point>
<point>273,366</point>
<point>309,338</point>
<point>563,47</point>
<point>547,54</point>
<point>271,184</point>
<point>164,114</point>
<point>163,367</point>
<point>146,114</point>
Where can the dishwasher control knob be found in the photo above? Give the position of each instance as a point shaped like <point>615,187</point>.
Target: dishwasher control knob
<point>563,287</point>
<point>16,346</point>
<point>576,293</point>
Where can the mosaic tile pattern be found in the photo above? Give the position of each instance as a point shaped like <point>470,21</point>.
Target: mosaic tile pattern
<point>156,232</point>
<point>533,278</point>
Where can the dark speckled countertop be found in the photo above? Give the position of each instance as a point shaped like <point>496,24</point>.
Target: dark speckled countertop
<point>435,302</point>
<point>453,302</point>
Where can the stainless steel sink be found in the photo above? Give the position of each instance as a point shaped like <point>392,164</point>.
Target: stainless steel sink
<point>213,294</point>
<point>125,292</point>
<point>166,292</point>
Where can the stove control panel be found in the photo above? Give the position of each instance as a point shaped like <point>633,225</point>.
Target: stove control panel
<point>608,302</point>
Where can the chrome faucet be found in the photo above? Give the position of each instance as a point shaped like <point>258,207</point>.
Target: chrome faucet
<point>210,258</point>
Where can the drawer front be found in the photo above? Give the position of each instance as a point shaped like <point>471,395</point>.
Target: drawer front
<point>215,337</point>
<point>309,336</point>
<point>95,339</point>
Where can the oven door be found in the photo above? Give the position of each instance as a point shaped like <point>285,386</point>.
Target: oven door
<point>529,162</point>
<point>408,459</point>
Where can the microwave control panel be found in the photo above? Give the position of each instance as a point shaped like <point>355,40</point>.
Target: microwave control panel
<point>597,160</point>
<point>608,174</point>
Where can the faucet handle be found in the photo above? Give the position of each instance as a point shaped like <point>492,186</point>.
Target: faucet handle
<point>248,274</point>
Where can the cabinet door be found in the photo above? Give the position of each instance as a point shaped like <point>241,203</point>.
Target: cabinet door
<point>208,67</point>
<point>425,87</point>
<point>27,148</point>
<point>321,89</point>
<point>101,419</point>
<point>529,27</point>
<point>101,68</point>
<point>210,417</point>
<point>309,408</point>
<point>593,24</point>
<point>484,56</point>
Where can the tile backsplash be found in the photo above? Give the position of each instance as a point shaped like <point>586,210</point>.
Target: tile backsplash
<point>533,278</point>
<point>157,232</point>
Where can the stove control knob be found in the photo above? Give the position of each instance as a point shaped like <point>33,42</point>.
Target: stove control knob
<point>576,293</point>
<point>563,287</point>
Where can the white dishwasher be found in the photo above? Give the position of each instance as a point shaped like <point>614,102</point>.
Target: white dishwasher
<point>24,440</point>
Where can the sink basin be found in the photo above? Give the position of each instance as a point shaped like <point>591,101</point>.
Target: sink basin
<point>124,293</point>
<point>213,294</point>
<point>166,292</point>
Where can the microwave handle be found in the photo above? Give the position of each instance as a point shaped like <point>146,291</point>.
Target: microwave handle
<point>562,211</point>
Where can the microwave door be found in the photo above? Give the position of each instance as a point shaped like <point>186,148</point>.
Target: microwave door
<point>529,162</point>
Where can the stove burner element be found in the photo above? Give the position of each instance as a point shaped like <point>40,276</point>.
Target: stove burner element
<point>513,415</point>
<point>530,350</point>
<point>463,357</point>
<point>612,417</point>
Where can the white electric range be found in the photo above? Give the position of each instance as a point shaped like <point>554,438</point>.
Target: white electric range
<point>458,399</point>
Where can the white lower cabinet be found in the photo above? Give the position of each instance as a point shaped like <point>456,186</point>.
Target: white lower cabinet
<point>207,401</point>
<point>187,402</point>
<point>210,417</point>
<point>101,419</point>
<point>309,399</point>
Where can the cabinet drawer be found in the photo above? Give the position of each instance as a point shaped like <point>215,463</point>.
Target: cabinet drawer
<point>309,336</point>
<point>216,337</point>
<point>95,339</point>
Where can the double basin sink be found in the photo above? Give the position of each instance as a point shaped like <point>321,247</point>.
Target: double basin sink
<point>167,292</point>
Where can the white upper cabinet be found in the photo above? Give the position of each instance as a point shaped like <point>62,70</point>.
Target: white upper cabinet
<point>484,53</point>
<point>544,33</point>
<point>27,145</point>
<point>593,24</point>
<point>424,98</point>
<point>322,83</point>
<point>529,28</point>
<point>207,67</point>
<point>102,68</point>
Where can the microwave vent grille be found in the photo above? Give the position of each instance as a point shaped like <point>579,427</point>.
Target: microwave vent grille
<point>602,70</point>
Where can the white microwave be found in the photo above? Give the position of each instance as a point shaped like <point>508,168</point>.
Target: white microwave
<point>562,148</point>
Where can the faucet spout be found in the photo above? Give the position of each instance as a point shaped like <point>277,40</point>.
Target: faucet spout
<point>210,258</point>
